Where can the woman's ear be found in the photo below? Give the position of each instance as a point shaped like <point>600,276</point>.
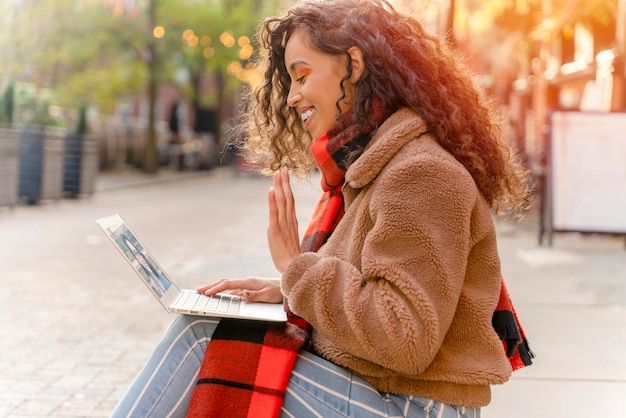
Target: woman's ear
<point>356,56</point>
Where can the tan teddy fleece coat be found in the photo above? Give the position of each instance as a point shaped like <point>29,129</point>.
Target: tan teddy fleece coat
<point>403,292</point>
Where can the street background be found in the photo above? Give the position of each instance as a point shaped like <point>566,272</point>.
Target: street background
<point>77,324</point>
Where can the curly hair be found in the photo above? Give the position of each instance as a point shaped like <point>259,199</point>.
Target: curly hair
<point>405,67</point>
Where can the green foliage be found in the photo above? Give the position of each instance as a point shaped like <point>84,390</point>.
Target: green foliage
<point>81,126</point>
<point>36,106</point>
<point>89,52</point>
<point>7,104</point>
<point>92,52</point>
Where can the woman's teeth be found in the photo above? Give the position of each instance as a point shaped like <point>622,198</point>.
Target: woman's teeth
<point>306,115</point>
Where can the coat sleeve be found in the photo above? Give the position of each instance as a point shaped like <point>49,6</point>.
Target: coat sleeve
<point>394,311</point>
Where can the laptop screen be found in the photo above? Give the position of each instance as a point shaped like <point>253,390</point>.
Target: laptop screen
<point>136,254</point>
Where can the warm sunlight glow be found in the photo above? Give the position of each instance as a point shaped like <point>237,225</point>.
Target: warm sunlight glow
<point>479,22</point>
<point>227,39</point>
<point>208,52</point>
<point>118,9</point>
<point>205,40</point>
<point>187,34</point>
<point>243,41</point>
<point>158,32</point>
<point>193,40</point>
<point>246,52</point>
<point>233,68</point>
<point>252,75</point>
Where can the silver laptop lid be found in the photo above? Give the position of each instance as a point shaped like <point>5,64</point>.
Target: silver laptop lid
<point>138,256</point>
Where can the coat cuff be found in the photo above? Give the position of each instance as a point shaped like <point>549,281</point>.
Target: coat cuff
<point>296,269</point>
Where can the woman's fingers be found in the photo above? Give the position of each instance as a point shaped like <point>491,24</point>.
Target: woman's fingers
<point>271,197</point>
<point>287,195</point>
<point>283,199</point>
<point>222,285</point>
<point>217,286</point>
<point>277,203</point>
<point>252,289</point>
<point>266,294</point>
<point>283,236</point>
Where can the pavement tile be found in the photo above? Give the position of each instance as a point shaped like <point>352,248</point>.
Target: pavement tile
<point>36,407</point>
<point>530,398</point>
<point>5,410</point>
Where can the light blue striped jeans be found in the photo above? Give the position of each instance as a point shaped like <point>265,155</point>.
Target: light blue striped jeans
<point>317,388</point>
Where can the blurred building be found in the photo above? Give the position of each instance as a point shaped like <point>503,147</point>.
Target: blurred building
<point>570,66</point>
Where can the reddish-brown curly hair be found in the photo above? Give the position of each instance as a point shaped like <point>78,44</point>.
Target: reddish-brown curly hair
<point>405,67</point>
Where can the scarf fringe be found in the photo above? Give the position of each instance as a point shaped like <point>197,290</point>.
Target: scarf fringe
<point>526,353</point>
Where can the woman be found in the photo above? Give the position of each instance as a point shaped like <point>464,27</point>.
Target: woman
<point>401,296</point>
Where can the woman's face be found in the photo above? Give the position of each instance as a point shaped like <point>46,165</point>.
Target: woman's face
<point>315,84</point>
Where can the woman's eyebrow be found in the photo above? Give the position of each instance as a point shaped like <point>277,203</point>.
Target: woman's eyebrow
<point>294,64</point>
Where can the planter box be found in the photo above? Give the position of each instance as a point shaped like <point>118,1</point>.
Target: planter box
<point>80,164</point>
<point>41,165</point>
<point>9,166</point>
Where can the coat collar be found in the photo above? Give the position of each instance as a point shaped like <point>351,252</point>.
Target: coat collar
<point>399,129</point>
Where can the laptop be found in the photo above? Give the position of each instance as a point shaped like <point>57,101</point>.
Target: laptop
<point>174,299</point>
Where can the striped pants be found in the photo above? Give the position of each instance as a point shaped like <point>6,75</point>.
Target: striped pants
<point>317,388</point>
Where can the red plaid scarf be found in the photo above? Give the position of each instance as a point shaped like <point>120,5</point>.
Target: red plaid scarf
<point>247,364</point>
<point>509,328</point>
<point>246,369</point>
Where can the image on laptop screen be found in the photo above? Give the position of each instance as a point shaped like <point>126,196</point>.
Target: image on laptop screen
<point>140,259</point>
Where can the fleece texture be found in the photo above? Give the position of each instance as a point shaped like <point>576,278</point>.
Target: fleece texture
<point>404,291</point>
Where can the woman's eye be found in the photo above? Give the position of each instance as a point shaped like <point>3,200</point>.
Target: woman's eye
<point>301,76</point>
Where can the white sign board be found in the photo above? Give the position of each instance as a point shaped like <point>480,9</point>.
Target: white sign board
<point>587,183</point>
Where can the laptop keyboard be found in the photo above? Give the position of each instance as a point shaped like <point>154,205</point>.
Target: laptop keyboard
<point>220,303</point>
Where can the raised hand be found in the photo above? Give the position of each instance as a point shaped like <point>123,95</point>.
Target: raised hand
<point>282,234</point>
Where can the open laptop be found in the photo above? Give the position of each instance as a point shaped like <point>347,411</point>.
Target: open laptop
<point>184,301</point>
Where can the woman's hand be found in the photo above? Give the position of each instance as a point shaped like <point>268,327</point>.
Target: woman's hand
<point>282,234</point>
<point>252,289</point>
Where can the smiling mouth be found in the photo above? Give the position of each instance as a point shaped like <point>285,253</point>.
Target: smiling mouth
<point>304,116</point>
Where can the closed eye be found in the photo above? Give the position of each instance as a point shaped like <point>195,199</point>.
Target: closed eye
<point>301,74</point>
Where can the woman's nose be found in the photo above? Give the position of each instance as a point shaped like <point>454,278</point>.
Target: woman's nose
<point>293,98</point>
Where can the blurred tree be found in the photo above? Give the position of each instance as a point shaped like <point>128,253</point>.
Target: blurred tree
<point>7,69</point>
<point>212,39</point>
<point>101,51</point>
<point>7,102</point>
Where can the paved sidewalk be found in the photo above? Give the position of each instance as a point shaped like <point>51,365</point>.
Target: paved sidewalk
<point>571,298</point>
<point>132,178</point>
<point>70,345</point>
